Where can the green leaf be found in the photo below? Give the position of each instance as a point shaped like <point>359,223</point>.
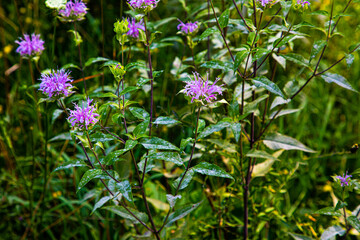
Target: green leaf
<point>208,32</point>
<point>139,113</point>
<point>277,141</point>
<point>121,211</point>
<point>283,112</point>
<point>180,213</point>
<point>331,232</point>
<point>100,203</point>
<point>140,129</point>
<point>211,170</point>
<point>130,144</point>
<point>149,165</point>
<point>268,85</point>
<point>128,90</point>
<point>354,222</point>
<point>349,59</point>
<point>142,81</point>
<point>95,60</point>
<point>338,79</point>
<point>260,154</point>
<point>217,64</point>
<point>299,237</point>
<point>157,143</point>
<point>113,157</point>
<point>240,57</point>
<point>252,106</point>
<point>296,58</point>
<point>165,121</point>
<point>91,174</point>
<point>340,205</point>
<point>70,164</point>
<point>236,129</point>
<point>125,189</point>
<point>251,38</point>
<point>317,47</point>
<point>102,137</point>
<point>328,211</point>
<point>187,179</point>
<point>260,52</point>
<point>263,168</point>
<point>167,156</point>
<point>213,128</point>
<point>224,18</point>
<point>280,60</point>
<point>172,199</point>
<point>184,143</point>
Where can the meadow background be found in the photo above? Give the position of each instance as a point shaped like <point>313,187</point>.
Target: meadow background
<point>35,204</point>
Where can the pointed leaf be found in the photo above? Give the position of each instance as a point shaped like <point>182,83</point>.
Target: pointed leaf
<point>240,57</point>
<point>328,211</point>
<point>172,199</point>
<point>139,113</point>
<point>213,128</point>
<point>299,237</point>
<point>100,203</point>
<point>263,168</point>
<point>121,211</point>
<point>157,143</point>
<point>140,129</point>
<point>217,64</point>
<point>128,90</point>
<point>268,85</point>
<point>260,154</point>
<point>338,79</point>
<point>208,32</point>
<point>211,170</point>
<point>283,112</point>
<point>224,18</point>
<point>167,156</point>
<point>95,60</point>
<point>317,47</point>
<point>189,175</point>
<point>125,189</point>
<point>354,222</point>
<point>70,164</point>
<point>236,129</point>
<point>331,232</point>
<point>296,58</point>
<point>277,141</point>
<point>180,213</point>
<point>91,174</point>
<point>165,121</point>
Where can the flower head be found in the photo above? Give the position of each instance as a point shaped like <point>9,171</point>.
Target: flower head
<point>187,27</point>
<point>264,3</point>
<point>201,89</point>
<point>83,116</point>
<point>56,83</point>
<point>303,3</point>
<point>344,180</point>
<point>134,27</point>
<point>74,11</point>
<point>30,46</point>
<point>143,3</point>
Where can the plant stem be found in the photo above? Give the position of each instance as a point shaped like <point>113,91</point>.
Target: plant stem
<point>80,60</point>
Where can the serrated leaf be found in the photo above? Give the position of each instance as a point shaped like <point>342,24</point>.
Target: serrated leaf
<point>157,143</point>
<point>217,64</point>
<point>240,57</point>
<point>264,82</point>
<point>211,170</point>
<point>214,128</point>
<point>121,211</point>
<point>91,174</point>
<point>165,121</point>
<point>180,213</point>
<point>95,60</point>
<point>139,113</point>
<point>100,203</point>
<point>172,199</point>
<point>277,141</point>
<point>354,222</point>
<point>337,79</point>
<point>328,211</point>
<point>224,18</point>
<point>317,47</point>
<point>208,32</point>
<point>331,232</point>
<point>167,156</point>
<point>125,189</point>
<point>70,164</point>
<point>260,154</point>
<point>296,58</point>
<point>187,179</point>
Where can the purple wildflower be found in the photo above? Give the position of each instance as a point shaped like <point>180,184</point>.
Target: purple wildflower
<point>143,3</point>
<point>187,27</point>
<point>303,3</point>
<point>134,27</point>
<point>30,46</point>
<point>73,11</point>
<point>83,116</point>
<point>344,180</point>
<point>264,2</point>
<point>200,89</point>
<point>56,83</point>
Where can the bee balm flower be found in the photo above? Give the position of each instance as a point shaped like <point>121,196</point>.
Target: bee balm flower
<point>74,11</point>
<point>344,180</point>
<point>83,116</point>
<point>134,28</point>
<point>143,3</point>
<point>30,46</point>
<point>201,89</point>
<point>56,83</point>
<point>187,27</point>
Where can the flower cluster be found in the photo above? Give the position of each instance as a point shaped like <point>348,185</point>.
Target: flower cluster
<point>303,3</point>
<point>201,89</point>
<point>56,83</point>
<point>74,11</point>
<point>187,27</point>
<point>83,116</point>
<point>30,46</point>
<point>134,27</point>
<point>344,180</point>
<point>143,3</point>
